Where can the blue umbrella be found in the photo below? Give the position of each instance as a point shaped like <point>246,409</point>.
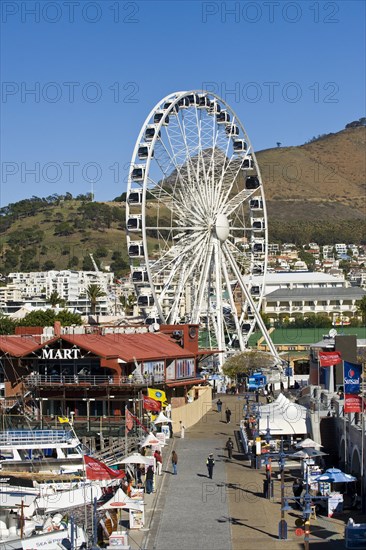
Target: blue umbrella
<point>339,476</point>
<point>324,478</point>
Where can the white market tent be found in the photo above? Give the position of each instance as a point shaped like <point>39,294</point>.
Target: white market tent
<point>121,500</point>
<point>150,439</point>
<point>161,418</point>
<point>283,418</point>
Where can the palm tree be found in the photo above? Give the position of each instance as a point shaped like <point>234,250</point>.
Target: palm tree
<point>127,303</point>
<point>94,292</point>
<point>55,299</point>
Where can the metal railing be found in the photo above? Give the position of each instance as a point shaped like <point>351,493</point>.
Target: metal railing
<point>39,437</point>
<point>37,380</point>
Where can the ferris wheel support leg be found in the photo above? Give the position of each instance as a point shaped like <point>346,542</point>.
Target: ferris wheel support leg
<point>257,315</point>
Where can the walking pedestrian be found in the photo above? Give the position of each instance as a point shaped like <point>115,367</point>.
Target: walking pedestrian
<point>174,462</point>
<point>219,405</point>
<point>228,415</point>
<point>149,480</point>
<point>159,462</point>
<point>182,429</point>
<point>210,463</point>
<point>229,447</point>
<point>297,487</point>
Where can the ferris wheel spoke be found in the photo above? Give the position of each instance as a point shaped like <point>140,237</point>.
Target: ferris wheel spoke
<point>188,189</point>
<point>191,264</point>
<point>203,278</point>
<point>198,193</point>
<point>188,246</point>
<point>233,305</point>
<point>232,204</point>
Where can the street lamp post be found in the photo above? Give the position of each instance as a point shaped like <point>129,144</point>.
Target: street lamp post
<point>282,527</point>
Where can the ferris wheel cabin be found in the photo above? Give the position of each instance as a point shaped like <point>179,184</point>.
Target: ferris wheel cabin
<point>232,130</point>
<point>145,301</point>
<point>138,173</point>
<point>248,163</point>
<point>150,132</point>
<point>204,102</point>
<point>135,197</point>
<point>143,151</point>
<point>258,246</point>
<point>194,99</point>
<point>139,276</point>
<point>215,108</point>
<point>184,103</point>
<point>174,110</point>
<point>135,249</point>
<point>158,116</point>
<point>258,224</point>
<point>223,117</point>
<point>256,204</point>
<point>134,223</point>
<point>239,146</point>
<point>252,182</point>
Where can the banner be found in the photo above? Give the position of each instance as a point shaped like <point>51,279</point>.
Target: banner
<point>129,418</point>
<point>63,420</point>
<point>96,470</point>
<point>352,403</point>
<point>352,377</point>
<point>329,358</point>
<point>158,395</point>
<point>150,404</point>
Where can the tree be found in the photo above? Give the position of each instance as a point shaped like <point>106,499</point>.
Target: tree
<point>48,265</point>
<point>94,292</point>
<point>48,317</point>
<point>55,299</point>
<point>361,309</point>
<point>73,262</point>
<point>241,364</point>
<point>7,325</point>
<point>127,303</point>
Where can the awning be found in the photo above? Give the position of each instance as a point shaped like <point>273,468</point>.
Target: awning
<point>185,383</point>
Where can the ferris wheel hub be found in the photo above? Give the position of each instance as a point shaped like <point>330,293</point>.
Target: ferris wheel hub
<point>222,227</point>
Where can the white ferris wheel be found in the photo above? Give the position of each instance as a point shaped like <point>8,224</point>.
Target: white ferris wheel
<point>196,220</point>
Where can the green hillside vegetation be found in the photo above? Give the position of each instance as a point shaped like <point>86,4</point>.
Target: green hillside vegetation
<point>314,193</point>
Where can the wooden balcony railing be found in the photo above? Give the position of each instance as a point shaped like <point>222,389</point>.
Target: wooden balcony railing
<point>40,380</point>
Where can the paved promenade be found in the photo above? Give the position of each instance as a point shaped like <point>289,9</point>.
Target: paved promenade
<point>190,511</point>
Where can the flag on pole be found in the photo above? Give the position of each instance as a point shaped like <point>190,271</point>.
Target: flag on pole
<point>129,418</point>
<point>329,358</point>
<point>158,395</point>
<point>63,420</point>
<point>150,404</point>
<point>141,425</point>
<point>352,403</point>
<point>96,470</point>
<point>352,377</point>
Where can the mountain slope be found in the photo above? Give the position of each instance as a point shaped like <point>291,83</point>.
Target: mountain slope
<point>314,192</point>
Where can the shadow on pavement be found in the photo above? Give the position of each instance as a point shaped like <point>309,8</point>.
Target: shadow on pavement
<point>236,521</point>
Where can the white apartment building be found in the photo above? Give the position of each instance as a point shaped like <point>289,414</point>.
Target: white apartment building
<point>340,248</point>
<point>335,302</point>
<point>307,292</point>
<point>35,287</point>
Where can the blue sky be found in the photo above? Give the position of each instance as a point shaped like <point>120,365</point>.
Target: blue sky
<point>291,70</point>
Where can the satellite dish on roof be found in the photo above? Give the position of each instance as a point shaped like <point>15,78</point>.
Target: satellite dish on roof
<point>332,333</point>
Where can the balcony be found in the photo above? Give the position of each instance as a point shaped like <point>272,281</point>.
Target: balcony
<point>43,381</point>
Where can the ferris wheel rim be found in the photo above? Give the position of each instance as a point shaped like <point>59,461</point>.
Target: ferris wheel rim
<point>174,98</point>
